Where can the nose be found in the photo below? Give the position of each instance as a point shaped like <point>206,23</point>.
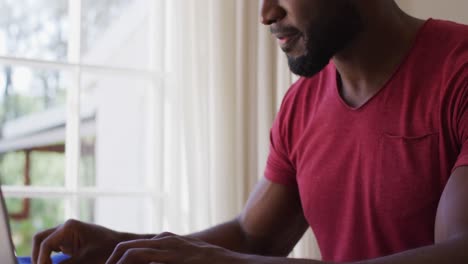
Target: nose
<point>271,12</point>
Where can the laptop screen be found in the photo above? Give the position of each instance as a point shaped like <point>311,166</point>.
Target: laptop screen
<point>6,246</point>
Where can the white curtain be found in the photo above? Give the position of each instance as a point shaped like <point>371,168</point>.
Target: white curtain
<point>227,80</point>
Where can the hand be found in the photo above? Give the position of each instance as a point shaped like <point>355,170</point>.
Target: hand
<point>173,249</point>
<point>85,243</point>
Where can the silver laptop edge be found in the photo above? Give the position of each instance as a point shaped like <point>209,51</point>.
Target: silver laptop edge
<point>7,254</point>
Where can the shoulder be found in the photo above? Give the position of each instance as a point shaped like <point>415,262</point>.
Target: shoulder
<point>448,59</point>
<point>300,98</point>
<point>448,32</point>
<point>442,54</point>
<point>455,39</point>
<point>450,39</point>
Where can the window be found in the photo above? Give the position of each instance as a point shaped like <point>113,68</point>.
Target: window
<point>80,119</point>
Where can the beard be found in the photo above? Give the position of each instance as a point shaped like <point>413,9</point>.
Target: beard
<point>326,38</point>
<point>308,65</point>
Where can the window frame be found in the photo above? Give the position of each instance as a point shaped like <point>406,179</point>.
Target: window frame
<point>156,75</point>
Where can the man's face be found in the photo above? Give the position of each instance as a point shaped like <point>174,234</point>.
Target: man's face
<point>311,32</point>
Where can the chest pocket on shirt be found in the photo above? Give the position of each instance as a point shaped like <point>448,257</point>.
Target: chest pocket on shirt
<point>408,175</point>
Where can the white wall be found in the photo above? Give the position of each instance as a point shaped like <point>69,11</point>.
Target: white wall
<point>455,10</point>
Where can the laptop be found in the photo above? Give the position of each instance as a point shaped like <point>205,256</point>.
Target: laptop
<point>7,252</point>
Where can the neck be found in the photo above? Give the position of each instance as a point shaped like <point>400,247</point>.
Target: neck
<point>370,60</point>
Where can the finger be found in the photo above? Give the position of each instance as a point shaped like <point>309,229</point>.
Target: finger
<point>145,255</point>
<point>90,256</point>
<point>79,260</point>
<point>123,247</point>
<point>164,234</point>
<point>37,241</point>
<point>170,240</point>
<point>159,244</point>
<point>50,244</point>
<point>73,261</point>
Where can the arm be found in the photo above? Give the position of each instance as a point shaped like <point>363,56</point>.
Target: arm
<point>257,229</point>
<point>451,232</point>
<point>271,224</point>
<point>273,211</point>
<point>451,229</point>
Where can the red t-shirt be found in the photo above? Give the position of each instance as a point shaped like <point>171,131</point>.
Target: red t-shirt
<point>370,179</point>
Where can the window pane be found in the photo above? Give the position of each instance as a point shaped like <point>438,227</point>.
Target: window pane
<point>115,131</point>
<point>116,33</point>
<point>45,168</point>
<point>26,220</point>
<point>32,125</point>
<point>34,29</point>
<point>127,214</point>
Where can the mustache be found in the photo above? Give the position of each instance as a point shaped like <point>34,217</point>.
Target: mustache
<point>277,29</point>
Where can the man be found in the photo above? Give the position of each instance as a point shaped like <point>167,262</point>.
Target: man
<point>370,149</point>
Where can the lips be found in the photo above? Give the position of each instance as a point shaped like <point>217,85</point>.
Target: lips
<point>287,40</point>
<point>284,38</point>
<point>286,35</point>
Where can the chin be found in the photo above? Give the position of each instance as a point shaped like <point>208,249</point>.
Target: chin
<point>306,66</point>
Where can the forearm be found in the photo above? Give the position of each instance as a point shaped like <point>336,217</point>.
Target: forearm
<point>229,235</point>
<point>454,251</point>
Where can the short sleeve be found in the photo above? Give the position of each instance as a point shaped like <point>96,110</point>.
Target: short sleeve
<point>279,168</point>
<point>461,119</point>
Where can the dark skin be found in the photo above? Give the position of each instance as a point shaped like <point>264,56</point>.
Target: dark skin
<point>274,211</point>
